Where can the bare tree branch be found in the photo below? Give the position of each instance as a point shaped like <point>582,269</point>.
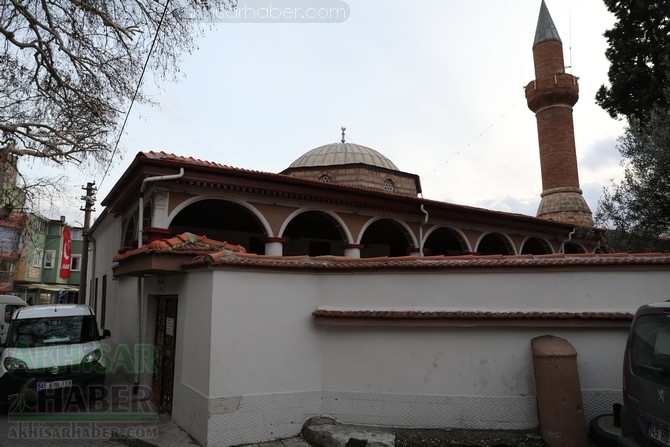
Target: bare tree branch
<point>72,68</point>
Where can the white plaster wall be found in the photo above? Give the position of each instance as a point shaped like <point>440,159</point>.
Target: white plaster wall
<point>253,366</point>
<point>266,356</point>
<point>428,377</point>
<point>190,408</point>
<point>386,365</point>
<point>582,289</point>
<point>445,361</point>
<point>265,338</point>
<point>121,303</point>
<point>270,361</point>
<point>103,248</point>
<point>191,382</point>
<point>455,377</point>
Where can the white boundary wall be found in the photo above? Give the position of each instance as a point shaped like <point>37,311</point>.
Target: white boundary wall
<point>272,367</point>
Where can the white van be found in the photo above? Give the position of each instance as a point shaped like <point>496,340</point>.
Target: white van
<point>8,304</point>
<point>52,347</point>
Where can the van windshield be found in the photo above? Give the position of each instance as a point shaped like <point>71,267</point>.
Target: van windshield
<point>32,332</point>
<point>650,353</point>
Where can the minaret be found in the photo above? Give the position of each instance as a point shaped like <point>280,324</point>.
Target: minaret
<point>551,97</point>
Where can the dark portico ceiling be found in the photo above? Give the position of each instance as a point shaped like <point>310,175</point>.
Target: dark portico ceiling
<point>213,213</point>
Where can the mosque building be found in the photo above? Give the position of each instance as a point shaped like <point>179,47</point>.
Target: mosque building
<point>346,199</point>
<point>341,290</point>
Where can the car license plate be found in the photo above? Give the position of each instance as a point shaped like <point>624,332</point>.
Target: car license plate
<point>658,433</point>
<point>41,386</point>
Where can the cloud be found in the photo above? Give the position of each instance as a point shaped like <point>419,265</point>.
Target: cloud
<point>511,204</point>
<point>601,153</point>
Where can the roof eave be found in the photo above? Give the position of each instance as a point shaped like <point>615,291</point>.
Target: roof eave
<point>161,264</point>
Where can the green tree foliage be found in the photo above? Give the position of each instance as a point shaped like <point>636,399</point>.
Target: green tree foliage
<point>637,210</point>
<point>639,55</point>
<point>70,69</point>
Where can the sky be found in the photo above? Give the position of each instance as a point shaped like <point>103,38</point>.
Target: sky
<point>436,86</point>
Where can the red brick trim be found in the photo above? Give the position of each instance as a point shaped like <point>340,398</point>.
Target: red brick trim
<point>544,319</point>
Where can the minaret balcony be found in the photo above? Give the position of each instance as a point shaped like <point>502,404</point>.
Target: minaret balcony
<point>552,90</point>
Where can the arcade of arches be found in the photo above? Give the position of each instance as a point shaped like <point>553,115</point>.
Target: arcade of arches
<point>293,231</point>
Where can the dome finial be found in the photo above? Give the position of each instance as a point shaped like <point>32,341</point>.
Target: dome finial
<point>343,130</point>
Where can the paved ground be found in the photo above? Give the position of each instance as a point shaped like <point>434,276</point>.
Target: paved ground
<point>163,433</point>
<point>118,420</point>
<point>124,420</point>
<point>293,442</point>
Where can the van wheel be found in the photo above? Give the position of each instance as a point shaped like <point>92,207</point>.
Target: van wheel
<point>603,431</point>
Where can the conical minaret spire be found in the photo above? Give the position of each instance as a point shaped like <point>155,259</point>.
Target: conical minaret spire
<point>546,30</point>
<point>551,97</point>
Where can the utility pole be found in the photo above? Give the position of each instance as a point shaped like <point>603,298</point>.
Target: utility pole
<point>89,200</point>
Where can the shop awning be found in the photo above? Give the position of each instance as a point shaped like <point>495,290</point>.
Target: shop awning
<point>53,287</point>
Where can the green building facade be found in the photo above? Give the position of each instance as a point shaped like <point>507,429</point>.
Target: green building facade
<point>44,275</point>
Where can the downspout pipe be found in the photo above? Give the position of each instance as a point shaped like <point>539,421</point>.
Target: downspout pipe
<point>425,221</point>
<point>145,182</point>
<point>140,279</point>
<point>567,240</point>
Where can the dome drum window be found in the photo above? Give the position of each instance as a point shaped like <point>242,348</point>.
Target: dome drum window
<point>389,186</point>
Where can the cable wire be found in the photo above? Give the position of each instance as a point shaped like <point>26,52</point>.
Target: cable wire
<point>469,144</point>
<point>137,89</point>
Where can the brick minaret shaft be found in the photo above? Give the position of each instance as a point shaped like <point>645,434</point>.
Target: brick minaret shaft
<point>551,97</point>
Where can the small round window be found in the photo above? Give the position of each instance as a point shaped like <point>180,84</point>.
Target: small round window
<point>325,179</point>
<point>389,186</point>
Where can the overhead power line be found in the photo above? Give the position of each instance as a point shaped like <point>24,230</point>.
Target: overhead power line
<point>137,89</point>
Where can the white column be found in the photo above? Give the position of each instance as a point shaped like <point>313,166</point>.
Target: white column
<point>274,246</point>
<point>352,250</point>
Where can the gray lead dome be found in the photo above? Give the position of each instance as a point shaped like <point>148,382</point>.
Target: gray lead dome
<point>342,154</point>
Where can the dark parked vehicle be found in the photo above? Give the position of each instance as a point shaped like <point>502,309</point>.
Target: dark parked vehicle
<point>645,414</point>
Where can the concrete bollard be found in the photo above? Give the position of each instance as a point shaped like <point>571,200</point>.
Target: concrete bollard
<point>559,395</point>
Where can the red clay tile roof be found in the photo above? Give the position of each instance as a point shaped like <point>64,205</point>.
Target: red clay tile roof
<point>185,243</point>
<point>210,252</point>
<point>206,174</point>
<point>195,162</point>
<point>468,315</point>
<point>189,161</point>
<point>228,258</point>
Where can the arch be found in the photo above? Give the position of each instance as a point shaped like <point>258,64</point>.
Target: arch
<point>222,219</point>
<point>492,243</point>
<point>445,241</point>
<point>536,246</point>
<point>573,248</point>
<point>129,227</point>
<point>267,229</point>
<point>346,234</point>
<point>314,232</point>
<point>382,236</point>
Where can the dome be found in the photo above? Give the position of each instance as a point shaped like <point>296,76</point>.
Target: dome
<point>342,154</point>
